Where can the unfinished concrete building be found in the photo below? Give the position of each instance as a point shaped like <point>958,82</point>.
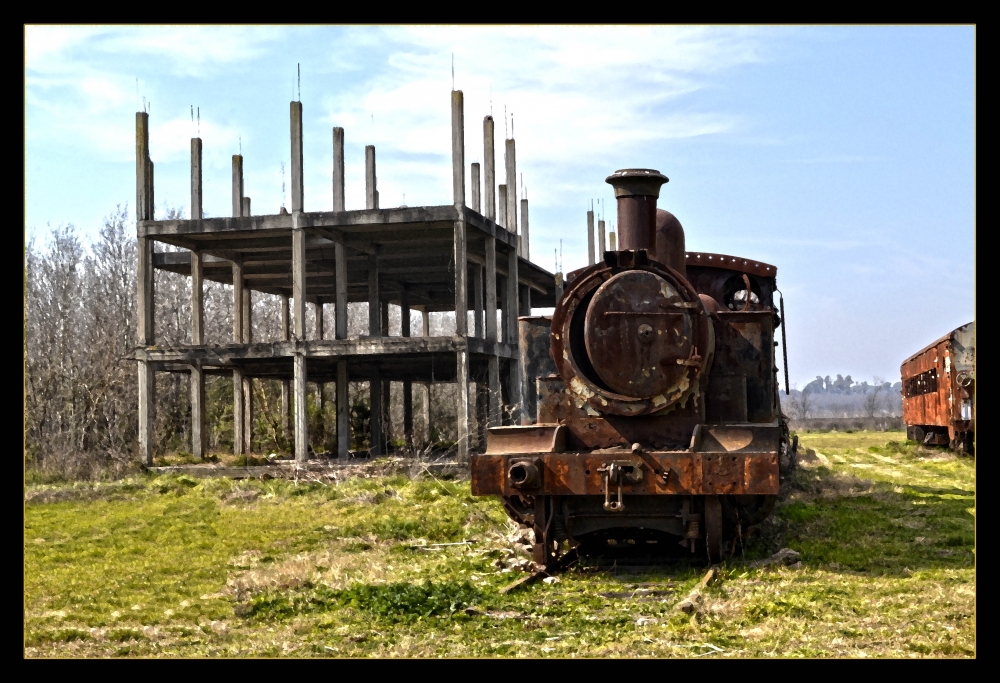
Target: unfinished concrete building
<point>405,256</point>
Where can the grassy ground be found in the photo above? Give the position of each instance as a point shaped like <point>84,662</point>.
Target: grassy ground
<point>171,566</point>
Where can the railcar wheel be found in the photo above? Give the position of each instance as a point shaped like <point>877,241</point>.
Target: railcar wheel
<point>713,529</point>
<point>520,511</point>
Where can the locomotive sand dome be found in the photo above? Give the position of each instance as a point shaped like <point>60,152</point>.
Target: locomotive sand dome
<point>654,395</point>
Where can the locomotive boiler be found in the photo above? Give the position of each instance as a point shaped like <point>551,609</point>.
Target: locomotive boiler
<point>654,397</point>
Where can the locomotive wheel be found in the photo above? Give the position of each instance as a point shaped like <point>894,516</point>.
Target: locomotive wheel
<point>519,511</point>
<point>713,529</point>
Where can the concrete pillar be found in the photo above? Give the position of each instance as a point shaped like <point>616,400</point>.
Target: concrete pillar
<point>286,385</point>
<point>404,317</point>
<point>384,317</point>
<point>489,170</point>
<point>246,206</point>
<point>198,434</point>
<point>296,131</point>
<point>477,295</point>
<point>375,402</point>
<point>493,363</point>
<point>247,300</point>
<point>482,413</point>
<point>371,179</point>
<point>525,301</point>
<point>374,299</point>
<point>144,281</point>
<point>611,242</point>
<point>461,265</point>
<point>340,326</point>
<point>197,298</point>
<point>299,331</point>
<point>343,412</point>
<point>425,331</point>
<point>601,248</point>
<point>511,304</point>
<point>524,229</point>
<point>502,207</point>
<point>510,165</point>
<point>320,387</point>
<point>338,169</point>
<point>559,286</point>
<point>247,414</point>
<point>476,205</point>
<point>239,439</point>
<point>590,239</point>
<point>237,185</point>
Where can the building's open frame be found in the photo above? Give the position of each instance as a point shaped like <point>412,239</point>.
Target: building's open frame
<point>404,256</point>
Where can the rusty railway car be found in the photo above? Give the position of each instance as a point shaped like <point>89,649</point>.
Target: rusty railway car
<point>654,393</point>
<point>939,386</point>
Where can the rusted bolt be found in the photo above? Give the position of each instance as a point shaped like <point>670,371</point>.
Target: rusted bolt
<point>645,333</point>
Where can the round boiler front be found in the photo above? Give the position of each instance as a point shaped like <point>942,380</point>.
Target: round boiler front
<point>638,334</point>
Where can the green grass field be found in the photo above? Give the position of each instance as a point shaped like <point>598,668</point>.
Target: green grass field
<point>173,566</point>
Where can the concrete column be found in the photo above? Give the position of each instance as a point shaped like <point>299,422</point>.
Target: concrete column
<point>197,376</point>
<point>425,330</point>
<point>340,327</point>
<point>510,165</point>
<point>504,312</point>
<point>476,204</point>
<point>197,298</point>
<point>196,181</point>
<point>477,295</point>
<point>286,385</point>
<point>404,317</point>
<point>296,131</point>
<point>385,421</point>
<point>299,331</point>
<point>489,170</point>
<point>238,308</point>
<point>247,414</point>
<point>320,387</point>
<point>246,206</point>
<point>590,239</point>
<point>482,413</point>
<point>371,179</point>
<point>502,207</point>
<point>338,169</point>
<point>374,307</point>
<point>247,299</point>
<point>524,229</point>
<point>491,290</point>
<point>237,185</point>
<point>144,280</point>
<point>611,242</point>
<point>559,286</point>
<point>239,406</point>
<point>384,317</point>
<point>493,363</point>
<point>461,266</point>
<point>375,402</point>
<point>239,419</point>
<point>511,304</point>
<point>198,434</point>
<point>601,247</point>
<point>343,412</point>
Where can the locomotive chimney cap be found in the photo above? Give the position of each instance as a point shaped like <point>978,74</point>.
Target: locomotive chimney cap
<point>632,182</point>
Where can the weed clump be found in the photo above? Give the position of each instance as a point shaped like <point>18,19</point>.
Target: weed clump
<point>391,602</point>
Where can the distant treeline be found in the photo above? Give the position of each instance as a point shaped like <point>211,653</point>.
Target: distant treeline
<point>844,398</point>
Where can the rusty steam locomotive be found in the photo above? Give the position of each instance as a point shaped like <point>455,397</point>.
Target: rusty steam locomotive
<point>655,396</point>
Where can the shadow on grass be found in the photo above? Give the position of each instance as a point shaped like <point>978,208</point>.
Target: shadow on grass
<point>848,523</point>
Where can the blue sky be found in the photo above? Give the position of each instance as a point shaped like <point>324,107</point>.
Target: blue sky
<point>845,156</point>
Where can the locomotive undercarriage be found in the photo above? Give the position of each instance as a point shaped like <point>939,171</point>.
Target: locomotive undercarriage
<point>702,500</point>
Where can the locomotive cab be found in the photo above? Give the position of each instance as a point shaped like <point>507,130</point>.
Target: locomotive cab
<point>649,398</point>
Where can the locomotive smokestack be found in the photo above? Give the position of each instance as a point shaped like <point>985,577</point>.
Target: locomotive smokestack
<point>636,190</point>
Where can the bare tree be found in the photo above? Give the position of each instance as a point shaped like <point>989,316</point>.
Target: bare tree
<point>873,401</point>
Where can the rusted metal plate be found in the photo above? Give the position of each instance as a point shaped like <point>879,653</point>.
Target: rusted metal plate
<point>742,375</point>
<point>569,343</point>
<point>540,438</point>
<point>737,263</point>
<point>638,334</point>
<point>566,474</point>
<point>534,334</point>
